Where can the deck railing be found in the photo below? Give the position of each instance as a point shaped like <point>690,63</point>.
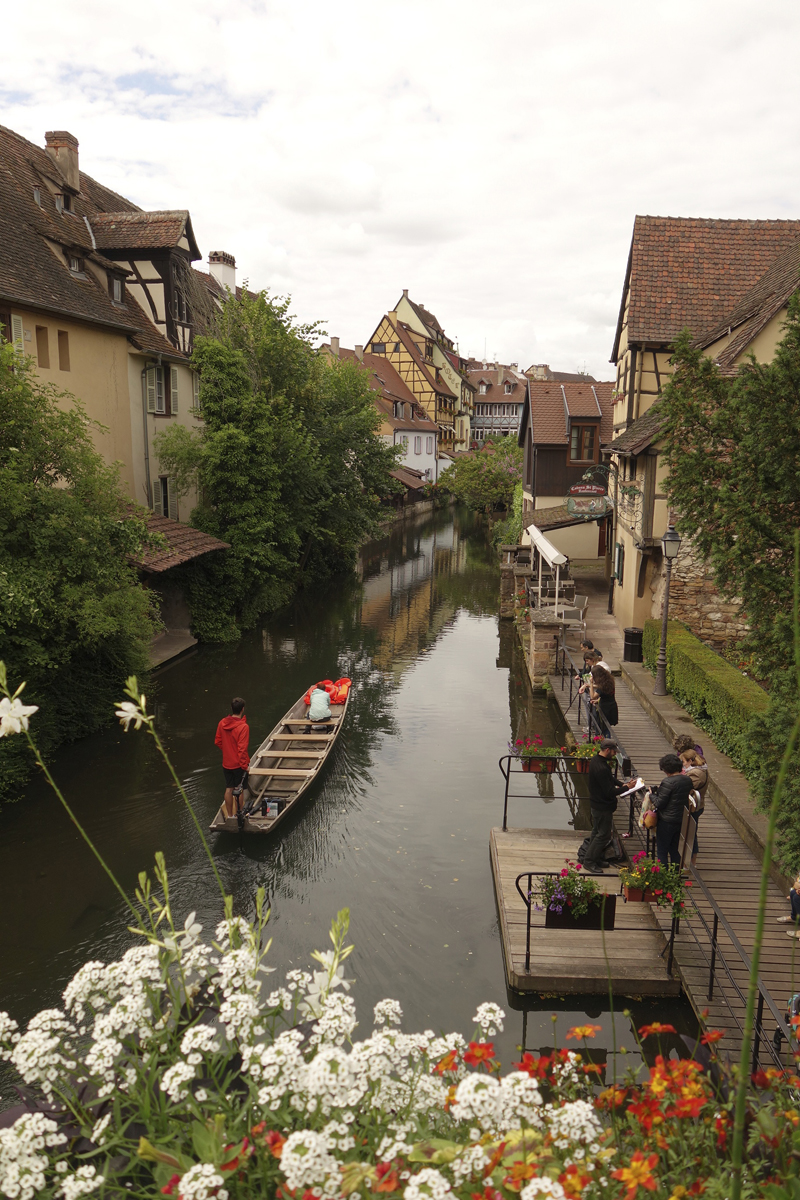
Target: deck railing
<point>561,761</point>
<point>527,900</point>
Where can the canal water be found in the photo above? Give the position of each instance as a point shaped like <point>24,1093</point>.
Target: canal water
<point>397,831</point>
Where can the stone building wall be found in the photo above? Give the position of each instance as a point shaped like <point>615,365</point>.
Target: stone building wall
<point>695,600</point>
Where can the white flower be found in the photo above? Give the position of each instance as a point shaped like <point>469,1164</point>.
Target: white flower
<point>543,1187</point>
<point>174,1079</point>
<point>519,1102</point>
<point>489,1018</point>
<point>573,1122</point>
<point>387,1012</point>
<point>476,1101</point>
<point>82,1183</point>
<point>307,1163</point>
<point>427,1183</point>
<point>23,1157</point>
<point>9,1031</point>
<point>99,1129</point>
<point>14,715</point>
<point>201,1182</point>
<point>199,1040</point>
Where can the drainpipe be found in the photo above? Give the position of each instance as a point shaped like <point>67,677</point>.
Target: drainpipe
<point>146,446</point>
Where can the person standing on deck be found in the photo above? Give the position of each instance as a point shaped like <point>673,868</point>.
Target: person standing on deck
<point>233,738</point>
<point>604,792</point>
<point>670,802</point>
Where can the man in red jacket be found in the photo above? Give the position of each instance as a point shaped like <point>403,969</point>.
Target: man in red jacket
<point>233,738</point>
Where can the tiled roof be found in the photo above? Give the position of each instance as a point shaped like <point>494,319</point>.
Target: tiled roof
<point>769,295</point>
<point>553,518</point>
<point>429,371</point>
<point>142,230</point>
<point>389,387</point>
<point>496,380</point>
<point>184,543</point>
<point>642,433</point>
<point>551,404</point>
<point>409,477</point>
<point>32,273</point>
<point>558,376</point>
<point>689,272</point>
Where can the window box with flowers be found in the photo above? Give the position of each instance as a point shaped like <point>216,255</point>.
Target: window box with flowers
<point>533,755</point>
<point>580,755</point>
<point>641,879</point>
<point>572,900</point>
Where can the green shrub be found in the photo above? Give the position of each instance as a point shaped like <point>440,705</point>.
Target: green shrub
<point>719,697</point>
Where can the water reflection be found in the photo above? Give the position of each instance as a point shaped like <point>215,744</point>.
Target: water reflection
<point>397,829</point>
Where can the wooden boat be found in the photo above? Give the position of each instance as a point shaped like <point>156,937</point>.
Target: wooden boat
<point>283,768</point>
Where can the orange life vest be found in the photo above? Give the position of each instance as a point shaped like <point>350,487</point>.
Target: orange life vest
<point>327,684</point>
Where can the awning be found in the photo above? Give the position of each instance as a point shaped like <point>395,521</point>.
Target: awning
<point>546,548</point>
<point>559,517</point>
<point>182,544</point>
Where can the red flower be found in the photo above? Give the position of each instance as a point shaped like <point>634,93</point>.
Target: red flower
<point>711,1036</point>
<point>448,1063</point>
<point>479,1052</point>
<point>611,1098</point>
<point>583,1031</point>
<point>274,1141</point>
<point>656,1027</point>
<point>638,1174</point>
<point>535,1067</point>
<point>170,1187</point>
<point>573,1182</point>
<point>388,1178</point>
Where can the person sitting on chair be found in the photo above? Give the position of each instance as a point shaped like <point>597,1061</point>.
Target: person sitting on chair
<point>320,707</point>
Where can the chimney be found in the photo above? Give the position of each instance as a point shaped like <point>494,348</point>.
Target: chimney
<point>335,347</point>
<point>63,149</point>
<point>223,268</point>
<point>359,350</point>
<point>500,374</point>
<point>405,293</point>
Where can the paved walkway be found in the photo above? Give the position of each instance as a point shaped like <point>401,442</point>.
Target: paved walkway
<point>729,866</point>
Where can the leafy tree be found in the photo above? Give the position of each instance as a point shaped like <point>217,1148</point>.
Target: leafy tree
<point>74,620</point>
<point>288,464</point>
<point>485,479</point>
<point>733,449</point>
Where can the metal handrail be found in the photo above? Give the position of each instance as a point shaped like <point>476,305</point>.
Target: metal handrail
<point>526,900</point>
<point>507,771</point>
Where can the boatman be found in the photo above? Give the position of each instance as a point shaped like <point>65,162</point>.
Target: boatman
<point>233,738</point>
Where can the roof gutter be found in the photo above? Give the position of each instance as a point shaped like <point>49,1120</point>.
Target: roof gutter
<point>65,312</point>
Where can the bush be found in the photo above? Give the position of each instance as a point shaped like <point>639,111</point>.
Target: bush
<point>716,694</point>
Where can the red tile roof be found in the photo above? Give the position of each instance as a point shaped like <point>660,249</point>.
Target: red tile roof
<point>409,477</point>
<point>184,543</point>
<point>142,230</point>
<point>689,272</point>
<point>552,404</point>
<point>389,387</point>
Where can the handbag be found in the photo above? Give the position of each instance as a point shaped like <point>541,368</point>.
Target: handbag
<point>650,819</point>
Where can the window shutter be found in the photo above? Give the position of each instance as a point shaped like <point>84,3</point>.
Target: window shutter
<point>17,335</point>
<point>161,405</point>
<point>173,390</point>
<point>150,388</point>
<point>172,499</point>
<point>158,498</point>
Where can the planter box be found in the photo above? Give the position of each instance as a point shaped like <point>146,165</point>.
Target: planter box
<point>580,765</point>
<point>589,920</point>
<point>536,764</point>
<point>634,894</point>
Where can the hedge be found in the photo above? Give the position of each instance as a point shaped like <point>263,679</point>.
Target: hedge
<point>719,697</point>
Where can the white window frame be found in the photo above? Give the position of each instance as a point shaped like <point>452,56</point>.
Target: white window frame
<point>418,445</point>
<point>153,383</point>
<point>429,445</point>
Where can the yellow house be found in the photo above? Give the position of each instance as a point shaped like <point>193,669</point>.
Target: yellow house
<point>728,282</point>
<point>102,298</point>
<point>445,358</point>
<point>411,355</point>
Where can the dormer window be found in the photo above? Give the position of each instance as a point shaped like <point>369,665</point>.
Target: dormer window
<point>37,196</point>
<point>482,389</point>
<point>75,264</point>
<point>379,347</point>
<point>63,202</point>
<point>509,389</point>
<point>117,289</point>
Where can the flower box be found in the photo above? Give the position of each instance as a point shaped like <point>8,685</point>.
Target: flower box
<point>588,920</point>
<point>536,763</point>
<point>580,766</point>
<point>637,893</point>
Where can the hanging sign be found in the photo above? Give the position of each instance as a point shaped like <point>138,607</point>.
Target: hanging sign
<point>588,500</point>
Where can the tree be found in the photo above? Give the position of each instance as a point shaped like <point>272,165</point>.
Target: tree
<point>74,619</point>
<point>733,450</point>
<point>289,464</point>
<point>485,479</point>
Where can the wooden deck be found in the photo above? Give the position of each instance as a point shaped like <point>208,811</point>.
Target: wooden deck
<point>567,961</point>
<point>732,874</point>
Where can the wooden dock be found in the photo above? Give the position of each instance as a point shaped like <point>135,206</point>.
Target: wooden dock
<point>732,874</point>
<point>573,961</point>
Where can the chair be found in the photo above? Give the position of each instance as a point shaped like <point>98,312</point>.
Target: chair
<point>574,616</point>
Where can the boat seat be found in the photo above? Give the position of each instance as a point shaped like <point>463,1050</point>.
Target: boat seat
<point>280,771</point>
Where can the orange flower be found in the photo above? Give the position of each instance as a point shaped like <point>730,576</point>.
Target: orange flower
<point>274,1141</point>
<point>639,1173</point>
<point>656,1027</point>
<point>479,1052</point>
<point>583,1031</point>
<point>493,1161</point>
<point>647,1112</point>
<point>448,1063</point>
<point>518,1175</point>
<point>593,1068</point>
<point>611,1097</point>
<point>711,1036</point>
<point>388,1178</point>
<point>573,1182</point>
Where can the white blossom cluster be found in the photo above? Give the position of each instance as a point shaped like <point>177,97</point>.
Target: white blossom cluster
<point>499,1105</point>
<point>307,1162</point>
<point>201,1182</point>
<point>489,1018</point>
<point>23,1157</point>
<point>548,1188</point>
<point>427,1184</point>
<point>82,1183</point>
<point>574,1122</point>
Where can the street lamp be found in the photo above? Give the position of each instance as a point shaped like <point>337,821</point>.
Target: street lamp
<point>670,545</point>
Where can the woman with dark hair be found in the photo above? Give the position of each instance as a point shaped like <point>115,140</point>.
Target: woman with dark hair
<point>672,799</point>
<point>602,692</point>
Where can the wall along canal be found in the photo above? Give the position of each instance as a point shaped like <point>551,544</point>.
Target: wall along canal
<point>397,831</point>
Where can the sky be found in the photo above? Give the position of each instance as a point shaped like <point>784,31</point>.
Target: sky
<point>490,157</point>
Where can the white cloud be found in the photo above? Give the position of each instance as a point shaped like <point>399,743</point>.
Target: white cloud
<point>489,157</point>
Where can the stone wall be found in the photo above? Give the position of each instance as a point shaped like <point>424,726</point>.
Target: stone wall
<point>695,600</point>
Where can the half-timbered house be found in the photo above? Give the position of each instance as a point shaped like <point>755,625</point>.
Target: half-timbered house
<point>500,393</point>
<point>728,282</point>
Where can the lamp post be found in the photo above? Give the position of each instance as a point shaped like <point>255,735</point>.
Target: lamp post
<point>670,545</point>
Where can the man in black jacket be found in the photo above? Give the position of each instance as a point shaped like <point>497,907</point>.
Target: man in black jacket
<point>604,791</point>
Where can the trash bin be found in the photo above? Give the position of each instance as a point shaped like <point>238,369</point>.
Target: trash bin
<point>632,648</point>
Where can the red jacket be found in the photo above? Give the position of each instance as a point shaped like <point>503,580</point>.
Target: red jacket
<point>233,736</point>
